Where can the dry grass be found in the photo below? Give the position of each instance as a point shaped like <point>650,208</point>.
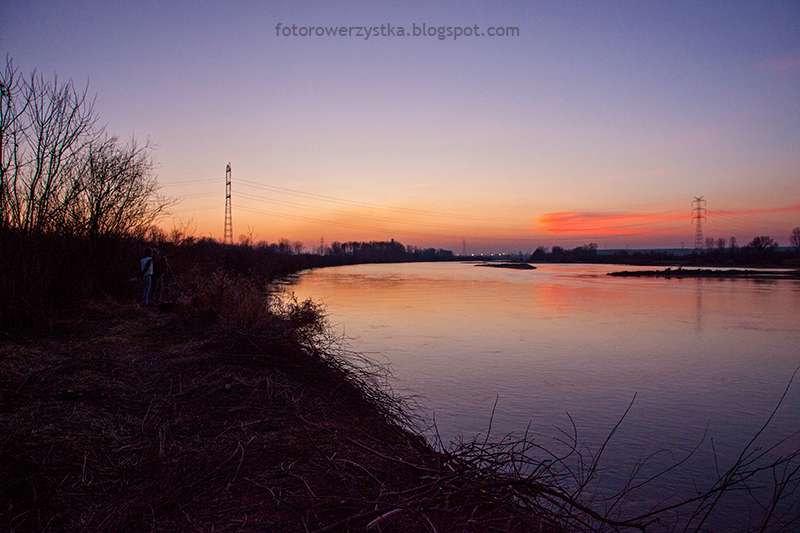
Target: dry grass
<point>130,419</point>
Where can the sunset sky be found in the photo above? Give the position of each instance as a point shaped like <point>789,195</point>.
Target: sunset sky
<point>599,122</point>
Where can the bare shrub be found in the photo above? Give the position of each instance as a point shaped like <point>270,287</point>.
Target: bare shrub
<point>118,191</point>
<point>66,191</point>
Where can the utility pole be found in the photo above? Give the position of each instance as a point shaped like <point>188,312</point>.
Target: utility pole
<point>698,216</point>
<point>464,247</point>
<point>228,234</point>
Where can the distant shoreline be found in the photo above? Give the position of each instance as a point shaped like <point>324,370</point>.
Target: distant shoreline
<point>517,266</point>
<point>709,273</point>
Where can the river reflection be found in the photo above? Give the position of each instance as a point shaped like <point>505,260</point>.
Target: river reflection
<point>698,354</point>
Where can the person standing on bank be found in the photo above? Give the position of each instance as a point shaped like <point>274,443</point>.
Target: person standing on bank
<point>147,274</point>
<point>160,270</point>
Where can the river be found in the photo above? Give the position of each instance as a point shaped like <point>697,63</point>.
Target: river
<point>700,360</point>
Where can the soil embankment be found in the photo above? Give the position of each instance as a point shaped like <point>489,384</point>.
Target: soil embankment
<point>133,419</point>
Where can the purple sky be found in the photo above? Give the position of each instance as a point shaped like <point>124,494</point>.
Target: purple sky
<point>600,122</point>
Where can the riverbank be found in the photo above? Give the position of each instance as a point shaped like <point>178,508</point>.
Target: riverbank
<point>126,418</point>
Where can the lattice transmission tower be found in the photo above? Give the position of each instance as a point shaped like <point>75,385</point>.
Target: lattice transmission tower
<point>698,216</point>
<point>228,234</point>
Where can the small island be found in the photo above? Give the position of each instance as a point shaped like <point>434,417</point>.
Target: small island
<point>710,273</point>
<point>517,266</point>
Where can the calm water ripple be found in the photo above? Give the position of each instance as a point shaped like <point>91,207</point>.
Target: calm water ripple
<point>699,354</point>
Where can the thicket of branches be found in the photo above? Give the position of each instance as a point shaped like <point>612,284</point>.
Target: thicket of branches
<point>69,194</point>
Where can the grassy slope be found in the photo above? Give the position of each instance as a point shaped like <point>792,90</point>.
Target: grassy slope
<point>130,419</point>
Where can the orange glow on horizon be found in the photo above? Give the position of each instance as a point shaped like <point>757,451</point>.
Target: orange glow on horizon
<point>426,224</point>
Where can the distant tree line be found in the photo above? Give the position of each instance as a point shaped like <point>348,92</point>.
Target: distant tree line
<point>386,252</point>
<point>581,254</point>
<point>761,251</point>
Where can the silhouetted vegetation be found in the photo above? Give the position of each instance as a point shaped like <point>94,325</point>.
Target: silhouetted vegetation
<point>761,251</point>
<point>581,254</point>
<point>386,252</point>
<point>72,199</point>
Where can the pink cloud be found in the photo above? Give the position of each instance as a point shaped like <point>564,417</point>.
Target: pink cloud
<point>582,223</point>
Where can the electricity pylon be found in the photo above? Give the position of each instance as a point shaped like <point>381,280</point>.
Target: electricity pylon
<point>228,234</point>
<point>698,216</point>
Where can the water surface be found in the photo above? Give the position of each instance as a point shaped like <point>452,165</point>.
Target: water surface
<point>702,357</point>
